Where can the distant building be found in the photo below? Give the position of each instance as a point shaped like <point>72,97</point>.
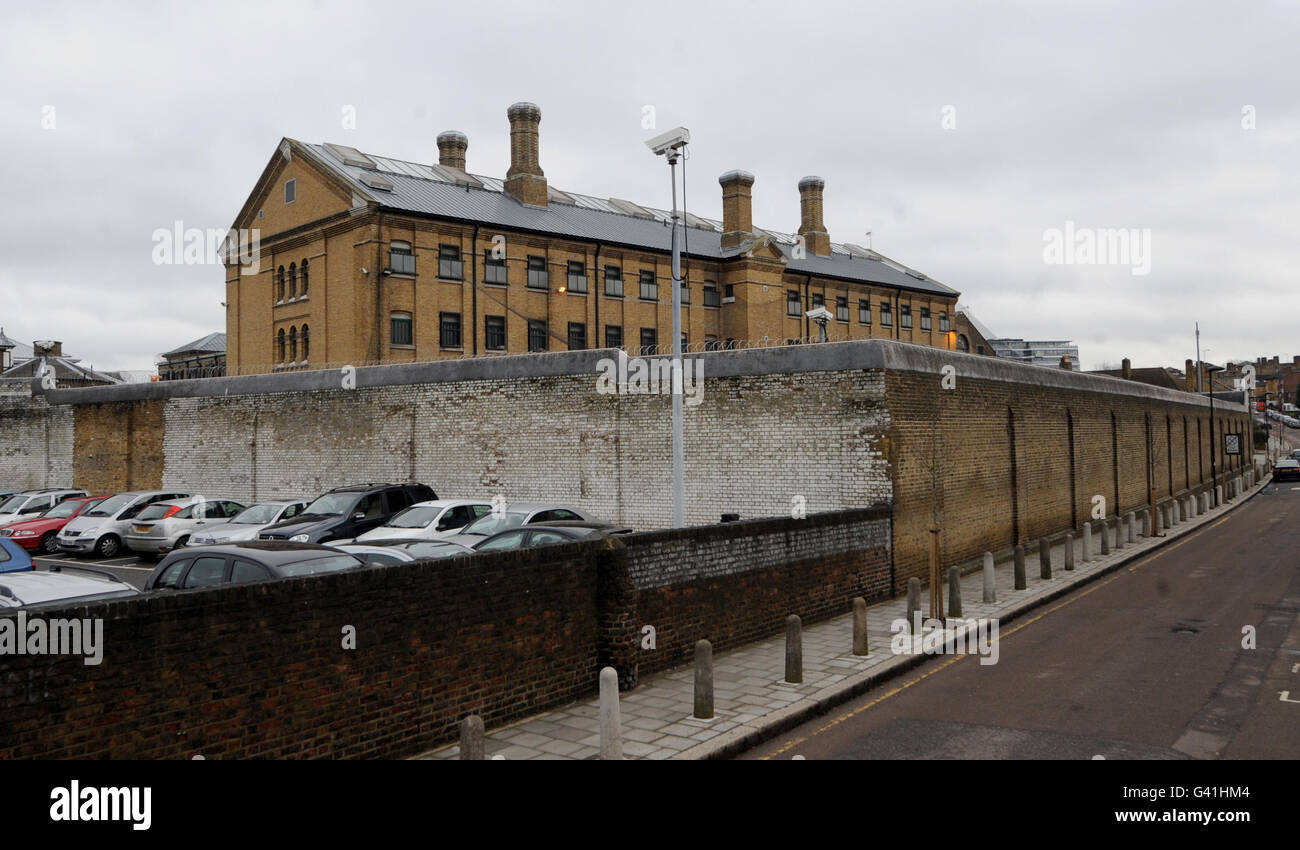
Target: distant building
<point>67,371</point>
<point>972,335</point>
<point>1035,352</point>
<point>1156,376</point>
<point>204,357</point>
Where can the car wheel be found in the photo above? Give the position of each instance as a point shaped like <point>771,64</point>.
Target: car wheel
<point>108,546</point>
<point>182,543</point>
<point>49,543</point>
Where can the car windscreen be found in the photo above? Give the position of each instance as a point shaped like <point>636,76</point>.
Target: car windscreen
<point>414,518</point>
<point>492,523</point>
<point>12,504</point>
<point>111,505</point>
<point>328,564</point>
<point>257,515</point>
<point>332,504</point>
<point>63,509</point>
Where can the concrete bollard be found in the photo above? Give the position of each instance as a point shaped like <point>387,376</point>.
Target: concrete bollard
<point>1132,527</point>
<point>1218,494</point>
<point>1044,558</point>
<point>1021,584</point>
<point>611,725</point>
<point>1087,542</point>
<point>860,626</point>
<point>1160,520</point>
<point>704,679</point>
<point>913,602</point>
<point>473,744</point>
<point>1069,550</point>
<point>990,579</point>
<point>1121,536</point>
<point>1176,511</point>
<point>1146,522</point>
<point>1104,534</point>
<point>954,592</point>
<point>1205,502</point>
<point>793,649</point>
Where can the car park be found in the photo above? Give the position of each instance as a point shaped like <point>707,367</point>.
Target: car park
<point>164,526</point>
<point>347,512</point>
<point>514,515</point>
<point>249,522</point>
<point>33,503</point>
<point>100,529</point>
<point>254,560</point>
<point>13,558</point>
<point>41,532</point>
<point>433,520</point>
<point>38,587</point>
<point>1286,468</point>
<point>541,534</point>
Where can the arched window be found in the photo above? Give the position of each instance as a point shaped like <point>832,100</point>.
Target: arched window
<point>306,342</point>
<point>963,344</point>
<point>293,345</point>
<point>303,271</point>
<point>279,284</point>
<point>281,340</point>
<point>293,281</point>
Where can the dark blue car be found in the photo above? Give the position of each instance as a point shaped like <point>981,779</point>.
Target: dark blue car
<point>13,558</point>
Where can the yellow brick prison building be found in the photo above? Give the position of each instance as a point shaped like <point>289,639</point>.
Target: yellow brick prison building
<point>364,259</point>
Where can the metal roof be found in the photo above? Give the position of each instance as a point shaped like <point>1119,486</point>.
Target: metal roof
<point>65,368</point>
<point>441,192</point>
<point>213,343</point>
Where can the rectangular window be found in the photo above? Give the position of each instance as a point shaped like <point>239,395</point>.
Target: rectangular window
<point>793,303</point>
<point>613,336</point>
<point>925,318</point>
<point>841,308</point>
<point>886,315</point>
<point>400,258</point>
<point>613,281</point>
<point>710,342</point>
<point>711,295</point>
<point>494,333</point>
<point>577,336</point>
<point>943,323</point>
<point>536,335</point>
<point>904,316</point>
<point>538,276</point>
<point>494,269</point>
<point>449,330</point>
<point>290,191</point>
<point>450,265</point>
<point>649,341</point>
<point>649,287</point>
<point>686,293</point>
<point>818,300</point>
<point>864,312</point>
<point>401,329</point>
<point>729,293</point>
<point>577,280</point>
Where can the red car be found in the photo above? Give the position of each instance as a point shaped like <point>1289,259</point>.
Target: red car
<point>39,532</point>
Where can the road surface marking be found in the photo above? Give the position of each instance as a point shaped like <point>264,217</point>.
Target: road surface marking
<point>1285,696</point>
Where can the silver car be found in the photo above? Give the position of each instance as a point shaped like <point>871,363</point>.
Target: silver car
<point>515,515</point>
<point>32,503</point>
<point>20,590</point>
<point>433,520</point>
<point>246,524</point>
<point>164,526</point>
<point>101,529</point>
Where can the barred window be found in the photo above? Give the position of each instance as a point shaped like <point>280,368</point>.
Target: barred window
<point>613,281</point>
<point>943,323</point>
<point>400,258</point>
<point>450,265</point>
<point>577,336</point>
<point>818,300</point>
<point>649,341</point>
<point>538,276</point>
<point>793,303</point>
<point>649,287</point>
<point>536,335</point>
<point>904,316</point>
<point>864,312</point>
<point>886,315</point>
<point>494,333</point>
<point>577,281</point>
<point>711,298</point>
<point>686,293</point>
<point>449,333</point>
<point>841,308</point>
<point>401,329</point>
<point>494,268</point>
<point>925,318</point>
<point>613,336</point>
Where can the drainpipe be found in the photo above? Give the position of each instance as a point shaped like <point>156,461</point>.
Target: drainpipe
<point>595,284</point>
<point>807,303</point>
<point>474,292</point>
<point>379,286</point>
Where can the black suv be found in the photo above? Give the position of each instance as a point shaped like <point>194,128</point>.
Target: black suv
<point>346,512</point>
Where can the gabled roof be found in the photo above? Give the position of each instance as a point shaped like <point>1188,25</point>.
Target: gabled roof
<point>213,343</point>
<point>65,369</point>
<point>441,192</point>
<point>18,351</point>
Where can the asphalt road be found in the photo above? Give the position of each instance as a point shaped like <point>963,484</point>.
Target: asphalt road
<point>1147,662</point>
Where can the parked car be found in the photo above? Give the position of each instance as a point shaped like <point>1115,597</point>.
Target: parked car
<point>33,502</point>
<point>253,560</point>
<point>248,523</point>
<point>164,526</point>
<point>100,529</point>
<point>431,520</point>
<point>1295,454</point>
<point>347,512</point>
<point>41,532</point>
<point>540,534</point>
<point>38,587</point>
<point>13,558</point>
<point>1286,468</point>
<point>376,556</point>
<point>515,515</point>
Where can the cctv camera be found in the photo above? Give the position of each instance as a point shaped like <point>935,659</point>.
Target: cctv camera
<point>819,314</point>
<point>670,141</point>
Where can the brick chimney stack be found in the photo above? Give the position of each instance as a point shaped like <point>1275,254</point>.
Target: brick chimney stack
<point>811,227</point>
<point>1189,370</point>
<point>737,208</point>
<point>525,181</point>
<point>451,149</point>
<point>1127,369</point>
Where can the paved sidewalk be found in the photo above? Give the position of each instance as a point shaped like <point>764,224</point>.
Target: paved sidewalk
<point>752,704</point>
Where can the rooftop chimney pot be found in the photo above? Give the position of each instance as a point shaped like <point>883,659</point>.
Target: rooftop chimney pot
<point>811,226</point>
<point>737,208</point>
<point>451,149</point>
<point>525,180</point>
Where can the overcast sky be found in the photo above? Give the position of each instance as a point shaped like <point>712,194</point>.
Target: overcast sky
<point>959,134</point>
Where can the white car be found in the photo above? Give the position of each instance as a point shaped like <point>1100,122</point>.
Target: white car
<point>31,503</point>
<point>246,524</point>
<point>19,590</point>
<point>101,529</point>
<point>515,515</point>
<point>433,520</point>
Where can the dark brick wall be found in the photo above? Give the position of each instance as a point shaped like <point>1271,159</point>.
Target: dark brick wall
<point>118,446</point>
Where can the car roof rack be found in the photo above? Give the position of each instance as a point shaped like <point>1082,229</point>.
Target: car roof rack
<point>361,486</point>
<point>58,568</point>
